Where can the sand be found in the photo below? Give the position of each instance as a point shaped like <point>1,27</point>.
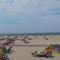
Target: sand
<point>24,53</point>
<point>40,40</point>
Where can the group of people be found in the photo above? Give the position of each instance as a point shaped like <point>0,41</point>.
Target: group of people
<point>48,51</point>
<point>3,49</point>
<point>4,52</point>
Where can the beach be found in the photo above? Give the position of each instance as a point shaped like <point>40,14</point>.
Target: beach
<point>22,50</point>
<point>40,40</point>
<point>24,53</point>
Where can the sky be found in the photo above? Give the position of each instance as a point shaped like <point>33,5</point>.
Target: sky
<point>29,16</point>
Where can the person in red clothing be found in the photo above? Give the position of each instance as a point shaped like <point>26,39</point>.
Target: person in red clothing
<point>49,49</point>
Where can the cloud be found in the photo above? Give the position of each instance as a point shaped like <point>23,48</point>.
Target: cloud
<point>27,6</point>
<point>19,9</point>
<point>35,15</point>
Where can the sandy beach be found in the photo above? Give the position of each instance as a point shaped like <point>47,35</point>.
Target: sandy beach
<point>24,53</point>
<point>40,40</point>
<point>29,27</point>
